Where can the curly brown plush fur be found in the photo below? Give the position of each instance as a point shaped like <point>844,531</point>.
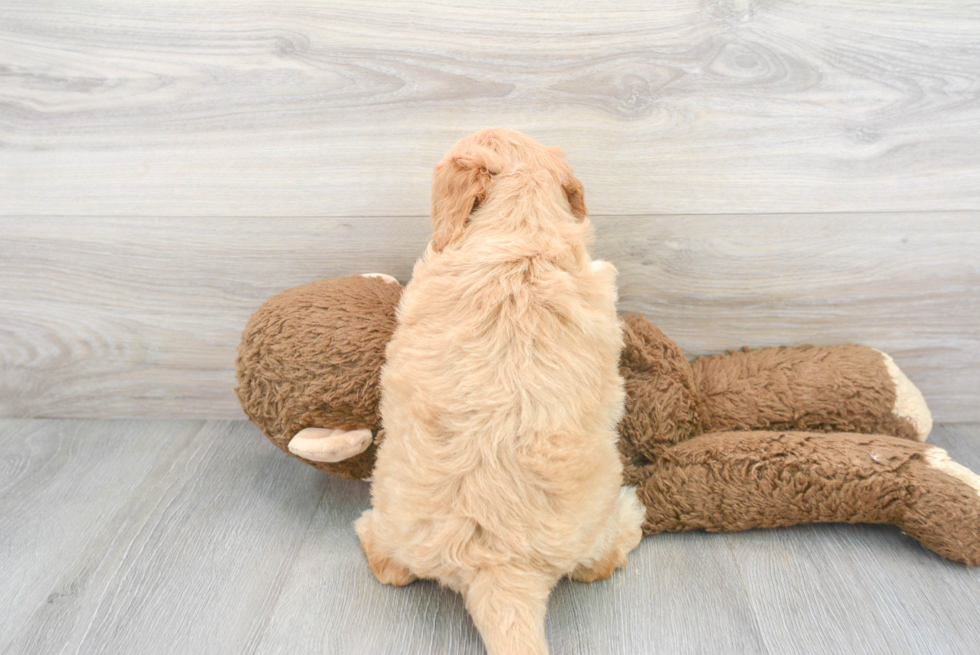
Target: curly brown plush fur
<point>827,389</point>
<point>745,439</point>
<point>312,356</point>
<point>773,479</point>
<point>843,388</point>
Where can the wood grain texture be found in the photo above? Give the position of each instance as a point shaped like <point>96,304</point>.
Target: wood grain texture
<point>333,604</point>
<point>142,316</point>
<point>811,580</point>
<point>60,484</point>
<point>125,536</point>
<point>189,536</point>
<point>301,108</point>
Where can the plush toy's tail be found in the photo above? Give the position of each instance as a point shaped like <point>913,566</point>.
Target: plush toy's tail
<point>731,481</point>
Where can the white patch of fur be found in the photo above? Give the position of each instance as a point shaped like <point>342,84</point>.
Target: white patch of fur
<point>937,458</point>
<point>631,514</point>
<point>909,402</point>
<point>326,445</point>
<point>386,278</point>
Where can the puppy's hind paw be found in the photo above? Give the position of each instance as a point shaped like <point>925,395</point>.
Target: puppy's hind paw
<point>387,572</point>
<point>629,518</point>
<point>598,265</point>
<point>384,569</point>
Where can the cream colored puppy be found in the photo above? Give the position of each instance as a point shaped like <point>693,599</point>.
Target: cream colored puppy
<point>501,395</point>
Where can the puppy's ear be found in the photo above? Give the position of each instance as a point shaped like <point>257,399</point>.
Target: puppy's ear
<point>576,197</point>
<point>459,185</point>
<point>573,188</point>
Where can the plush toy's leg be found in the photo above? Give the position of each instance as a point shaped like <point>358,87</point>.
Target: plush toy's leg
<point>385,569</point>
<point>731,481</point>
<point>326,445</point>
<point>847,388</point>
<point>663,403</point>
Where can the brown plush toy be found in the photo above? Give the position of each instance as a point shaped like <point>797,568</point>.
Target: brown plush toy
<point>746,439</point>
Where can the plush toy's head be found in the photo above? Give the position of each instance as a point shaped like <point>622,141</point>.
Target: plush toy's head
<point>312,356</point>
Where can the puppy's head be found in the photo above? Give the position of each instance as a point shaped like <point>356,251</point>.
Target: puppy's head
<point>465,178</point>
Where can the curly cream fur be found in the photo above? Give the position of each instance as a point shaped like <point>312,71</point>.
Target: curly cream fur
<point>501,395</point>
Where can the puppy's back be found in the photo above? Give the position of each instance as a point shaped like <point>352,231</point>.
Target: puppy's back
<point>506,377</point>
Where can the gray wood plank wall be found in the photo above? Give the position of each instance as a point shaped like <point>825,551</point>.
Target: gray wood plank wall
<point>761,173</point>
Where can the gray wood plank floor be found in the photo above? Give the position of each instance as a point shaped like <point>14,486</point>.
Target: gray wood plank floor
<point>141,536</point>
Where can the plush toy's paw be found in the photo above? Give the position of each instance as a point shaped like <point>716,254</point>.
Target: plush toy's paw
<point>944,507</point>
<point>909,403</point>
<point>937,458</point>
<point>386,278</point>
<point>326,445</point>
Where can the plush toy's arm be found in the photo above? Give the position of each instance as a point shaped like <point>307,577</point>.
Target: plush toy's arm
<point>732,481</point>
<point>847,388</point>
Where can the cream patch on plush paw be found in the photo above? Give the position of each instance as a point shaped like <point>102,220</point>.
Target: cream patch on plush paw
<point>937,458</point>
<point>386,278</point>
<point>327,445</point>
<point>909,402</point>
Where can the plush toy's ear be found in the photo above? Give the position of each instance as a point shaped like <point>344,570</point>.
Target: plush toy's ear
<point>576,196</point>
<point>459,185</point>
<point>329,445</point>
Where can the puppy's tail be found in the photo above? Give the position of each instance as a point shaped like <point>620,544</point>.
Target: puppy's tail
<point>508,607</point>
